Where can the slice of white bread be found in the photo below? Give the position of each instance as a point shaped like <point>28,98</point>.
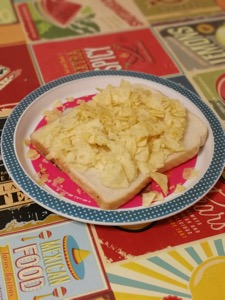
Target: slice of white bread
<point>108,198</point>
<point>194,138</point>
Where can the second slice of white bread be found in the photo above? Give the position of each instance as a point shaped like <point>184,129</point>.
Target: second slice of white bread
<point>108,198</point>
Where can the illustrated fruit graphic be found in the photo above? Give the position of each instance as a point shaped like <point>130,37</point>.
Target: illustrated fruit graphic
<point>61,11</point>
<point>220,86</point>
<point>209,273</point>
<point>220,34</point>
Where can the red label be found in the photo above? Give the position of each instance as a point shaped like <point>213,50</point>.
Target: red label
<point>137,51</point>
<point>28,22</point>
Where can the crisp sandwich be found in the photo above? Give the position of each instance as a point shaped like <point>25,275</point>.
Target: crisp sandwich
<point>116,143</point>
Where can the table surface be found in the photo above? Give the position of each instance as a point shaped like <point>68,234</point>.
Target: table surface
<point>46,256</point>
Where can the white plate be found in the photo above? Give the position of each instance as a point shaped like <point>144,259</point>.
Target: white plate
<point>29,112</point>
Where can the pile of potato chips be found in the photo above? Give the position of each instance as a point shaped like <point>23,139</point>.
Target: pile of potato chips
<point>123,131</point>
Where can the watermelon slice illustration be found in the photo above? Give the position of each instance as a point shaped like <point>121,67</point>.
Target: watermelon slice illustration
<point>61,12</point>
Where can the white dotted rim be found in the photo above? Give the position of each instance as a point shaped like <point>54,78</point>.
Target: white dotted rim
<point>115,217</point>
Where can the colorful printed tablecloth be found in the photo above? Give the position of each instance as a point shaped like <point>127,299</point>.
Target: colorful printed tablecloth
<point>45,256</point>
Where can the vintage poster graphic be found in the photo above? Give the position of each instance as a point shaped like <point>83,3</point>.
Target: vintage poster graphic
<point>7,13</point>
<point>180,273</point>
<point>205,218</point>
<point>6,110</point>
<point>211,84</point>
<point>17,76</point>
<point>11,31</point>
<point>59,261</point>
<point>17,211</point>
<point>11,34</point>
<point>10,194</point>
<point>51,19</point>
<point>164,10</point>
<point>195,45</point>
<point>138,50</point>
<point>183,81</point>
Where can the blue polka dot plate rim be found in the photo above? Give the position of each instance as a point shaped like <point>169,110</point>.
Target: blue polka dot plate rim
<point>26,115</point>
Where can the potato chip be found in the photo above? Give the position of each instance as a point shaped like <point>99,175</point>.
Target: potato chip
<point>57,103</point>
<point>51,115</point>
<point>122,131</point>
<point>148,198</point>
<point>27,142</point>
<point>161,180</point>
<point>179,188</point>
<point>32,154</point>
<point>190,173</point>
<point>114,176</point>
<point>58,180</point>
<point>43,178</point>
<point>70,99</point>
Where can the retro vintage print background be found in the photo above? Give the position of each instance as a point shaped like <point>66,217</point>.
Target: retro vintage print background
<point>46,256</point>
